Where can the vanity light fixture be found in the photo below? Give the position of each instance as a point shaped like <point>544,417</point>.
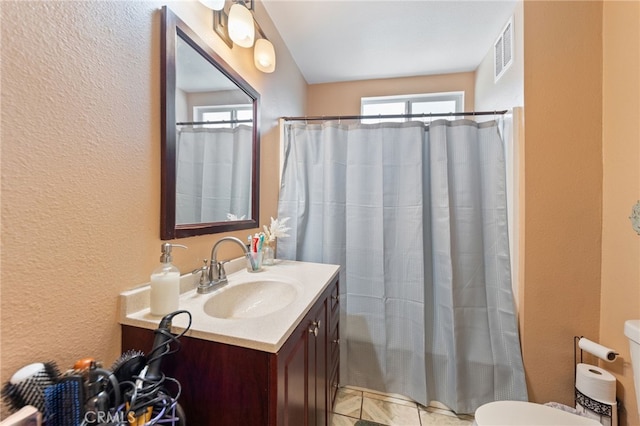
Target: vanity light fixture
<point>213,4</point>
<point>264,55</point>
<point>238,26</point>
<point>241,28</point>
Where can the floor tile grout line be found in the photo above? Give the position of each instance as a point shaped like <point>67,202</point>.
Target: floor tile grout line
<point>360,393</point>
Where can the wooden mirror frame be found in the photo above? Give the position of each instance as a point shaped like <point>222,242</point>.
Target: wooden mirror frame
<point>173,27</point>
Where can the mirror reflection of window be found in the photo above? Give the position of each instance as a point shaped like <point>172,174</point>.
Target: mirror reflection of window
<point>215,118</point>
<point>245,115</point>
<point>224,116</point>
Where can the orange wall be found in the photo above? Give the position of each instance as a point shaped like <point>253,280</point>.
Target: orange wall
<point>620,298</point>
<point>563,190</point>
<point>344,98</point>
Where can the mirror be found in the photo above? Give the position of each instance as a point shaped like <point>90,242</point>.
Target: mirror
<point>210,139</point>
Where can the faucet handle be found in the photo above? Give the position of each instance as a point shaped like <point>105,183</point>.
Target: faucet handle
<point>222,274</point>
<point>203,271</point>
<point>200,269</point>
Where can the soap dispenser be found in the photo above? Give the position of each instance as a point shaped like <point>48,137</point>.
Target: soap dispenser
<point>165,284</point>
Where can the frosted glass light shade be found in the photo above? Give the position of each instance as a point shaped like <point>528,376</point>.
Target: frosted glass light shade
<point>241,27</point>
<point>213,4</point>
<point>264,55</point>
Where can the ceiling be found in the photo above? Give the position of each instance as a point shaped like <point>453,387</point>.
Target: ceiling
<point>196,74</point>
<point>344,40</point>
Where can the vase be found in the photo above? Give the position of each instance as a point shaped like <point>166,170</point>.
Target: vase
<point>268,253</point>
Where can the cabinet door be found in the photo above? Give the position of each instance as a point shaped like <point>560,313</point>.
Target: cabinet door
<point>293,377</point>
<point>333,350</point>
<point>317,385</point>
<point>302,372</point>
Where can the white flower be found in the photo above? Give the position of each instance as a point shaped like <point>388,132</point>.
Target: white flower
<point>276,230</point>
<point>231,217</point>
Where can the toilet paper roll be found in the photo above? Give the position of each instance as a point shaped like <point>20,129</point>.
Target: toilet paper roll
<point>596,349</point>
<point>596,383</point>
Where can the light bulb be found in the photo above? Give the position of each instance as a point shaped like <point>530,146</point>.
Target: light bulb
<point>213,4</point>
<point>264,55</point>
<point>241,27</point>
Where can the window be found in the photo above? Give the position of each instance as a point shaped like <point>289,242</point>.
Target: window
<point>234,114</point>
<point>430,103</point>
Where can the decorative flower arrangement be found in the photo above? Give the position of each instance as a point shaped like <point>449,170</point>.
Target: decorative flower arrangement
<point>635,217</point>
<point>233,217</point>
<point>276,230</point>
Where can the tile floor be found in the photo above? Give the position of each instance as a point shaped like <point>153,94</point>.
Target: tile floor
<point>353,404</point>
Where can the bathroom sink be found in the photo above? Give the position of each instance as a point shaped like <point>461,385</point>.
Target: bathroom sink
<point>251,299</point>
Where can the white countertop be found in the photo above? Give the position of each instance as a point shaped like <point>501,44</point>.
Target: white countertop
<point>266,333</point>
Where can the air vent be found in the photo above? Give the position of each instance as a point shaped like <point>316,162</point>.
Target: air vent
<point>503,51</point>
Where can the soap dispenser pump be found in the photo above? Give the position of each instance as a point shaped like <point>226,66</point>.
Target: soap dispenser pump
<point>165,284</point>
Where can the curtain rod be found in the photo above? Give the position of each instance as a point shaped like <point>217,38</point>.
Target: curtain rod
<point>198,123</point>
<point>423,115</point>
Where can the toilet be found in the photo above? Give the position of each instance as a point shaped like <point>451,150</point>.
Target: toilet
<point>632,331</point>
<point>520,413</point>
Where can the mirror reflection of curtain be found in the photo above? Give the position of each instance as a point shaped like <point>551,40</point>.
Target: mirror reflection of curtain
<point>213,174</point>
<point>416,216</point>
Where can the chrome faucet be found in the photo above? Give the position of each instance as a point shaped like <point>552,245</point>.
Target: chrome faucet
<point>216,273</point>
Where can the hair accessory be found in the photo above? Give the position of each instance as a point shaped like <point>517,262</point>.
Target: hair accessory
<point>28,384</point>
<point>129,365</point>
<point>64,402</point>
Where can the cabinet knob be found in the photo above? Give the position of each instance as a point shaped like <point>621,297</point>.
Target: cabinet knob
<point>336,341</point>
<point>315,326</point>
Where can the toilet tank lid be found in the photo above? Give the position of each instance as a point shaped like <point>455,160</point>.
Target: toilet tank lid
<point>632,330</point>
<point>521,413</point>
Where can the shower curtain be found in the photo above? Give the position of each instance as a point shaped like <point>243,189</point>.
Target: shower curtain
<point>416,216</point>
<point>213,175</point>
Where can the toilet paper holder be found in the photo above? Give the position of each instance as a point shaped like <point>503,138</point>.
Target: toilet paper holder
<point>604,410</point>
<point>596,349</point>
<point>586,345</point>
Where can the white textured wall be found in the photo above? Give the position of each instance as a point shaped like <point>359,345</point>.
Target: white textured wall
<point>81,166</point>
<point>508,93</point>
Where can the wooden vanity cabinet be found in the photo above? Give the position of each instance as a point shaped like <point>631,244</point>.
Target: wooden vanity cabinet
<point>224,384</point>
<point>333,341</point>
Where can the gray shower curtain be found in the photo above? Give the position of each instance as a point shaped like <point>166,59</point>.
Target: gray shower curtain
<point>416,216</point>
<point>213,173</point>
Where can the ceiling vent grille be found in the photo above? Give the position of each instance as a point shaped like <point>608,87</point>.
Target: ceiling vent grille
<point>503,51</point>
